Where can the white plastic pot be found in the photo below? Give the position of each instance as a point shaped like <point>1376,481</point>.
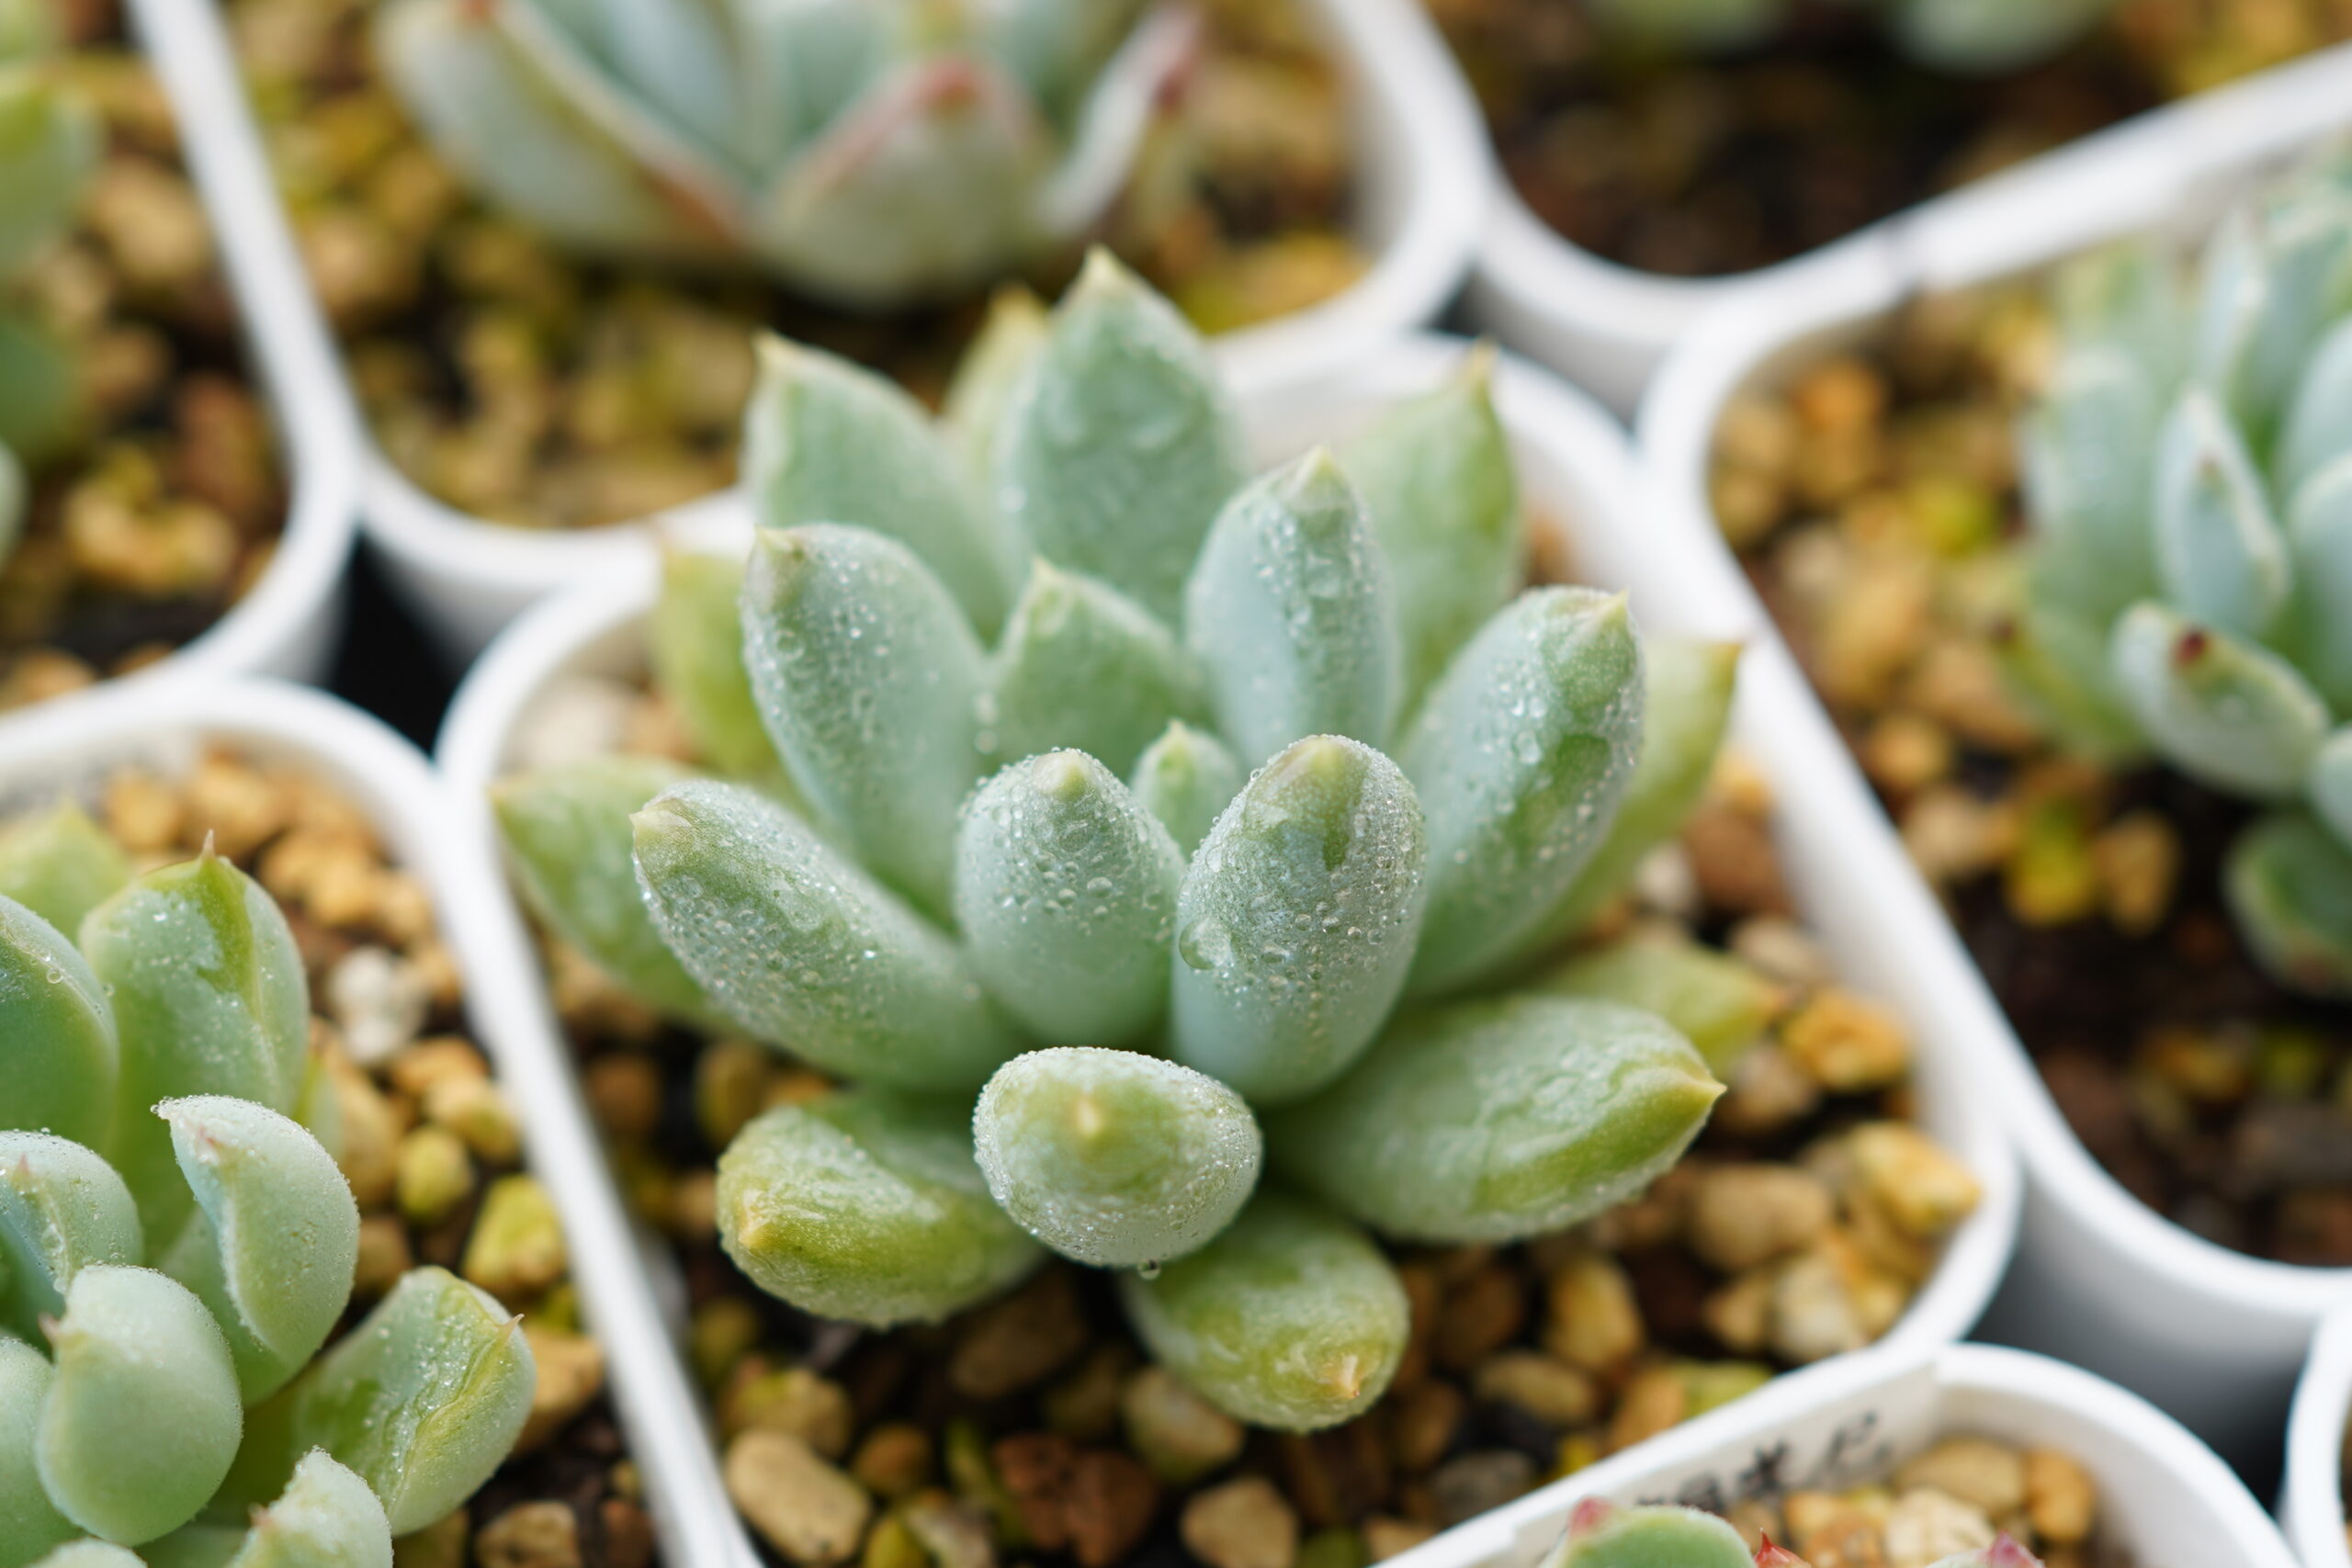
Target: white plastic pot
<point>286,625</point>
<point>71,748</point>
<point>2212,1335</point>
<point>1608,327</point>
<point>1423,175</point>
<point>2311,1504</point>
<point>2165,1499</point>
<point>1575,473</point>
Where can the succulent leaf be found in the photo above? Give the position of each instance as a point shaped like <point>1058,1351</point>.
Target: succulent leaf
<point>2085,456</point>
<point>867,1207</point>
<point>90,1553</point>
<point>2288,882</point>
<point>1083,666</point>
<point>422,1399</point>
<point>59,1052</point>
<point>2319,538</point>
<point>1119,448</point>
<point>1296,920</point>
<point>1603,1535</point>
<point>327,1518</point>
<point>2272,281</point>
<point>30,1522</point>
<point>806,951</point>
<point>2055,663</point>
<point>1291,1318</point>
<point>1065,894</point>
<point>1986,37</point>
<point>60,864</point>
<point>2225,712</point>
<point>990,373</point>
<point>2219,553</point>
<point>869,680</point>
<point>1186,778</point>
<point>2128,296</point>
<point>51,141</point>
<point>1500,1119</point>
<point>62,1209</point>
<point>1114,1158</point>
<point>142,1418</point>
<point>1291,615</point>
<point>572,850</point>
<point>41,396</point>
<point>2318,426</point>
<point>1520,756</point>
<point>694,641</point>
<point>1717,1002</point>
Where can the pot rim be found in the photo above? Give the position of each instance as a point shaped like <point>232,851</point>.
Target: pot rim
<point>2310,1505</point>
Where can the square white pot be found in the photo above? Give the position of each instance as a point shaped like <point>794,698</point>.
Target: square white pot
<point>1608,327</point>
<point>1575,473</point>
<point>286,625</point>
<point>2212,1335</point>
<point>2310,1505</point>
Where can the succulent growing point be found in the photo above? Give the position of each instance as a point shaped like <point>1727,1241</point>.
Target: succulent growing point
<point>1220,860</point>
<point>874,154</point>
<point>178,1247</point>
<point>1601,1534</point>
<point>1966,38</point>
<point>2189,587</point>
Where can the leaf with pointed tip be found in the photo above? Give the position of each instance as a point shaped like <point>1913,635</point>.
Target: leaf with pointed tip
<point>2319,538</point>
<point>58,1054</point>
<point>2318,426</point>
<point>990,372</point>
<point>2086,455</point>
<point>271,1249</point>
<point>423,1399</point>
<point>327,1518</point>
<point>60,864</point>
<point>2271,283</point>
<point>1520,756</point>
<point>869,681</point>
<point>828,441</point>
<point>1291,1318</point>
<point>1119,446</point>
<point>62,1209</point>
<point>1291,615</point>
<point>568,838</point>
<point>1065,894</point>
<point>1721,1004</point>
<point>1186,778</point>
<point>210,997</point>
<point>1112,1157</point>
<point>2055,663</point>
<point>143,1420</point>
<point>804,950</point>
<point>1500,1119</point>
<point>1603,1535</point>
<point>693,639</point>
<point>2219,551</point>
<point>2227,714</point>
<point>1083,666</point>
<point>2288,882</point>
<point>867,1207</point>
<point>30,1522</point>
<point>1436,477</point>
<point>1296,920</point>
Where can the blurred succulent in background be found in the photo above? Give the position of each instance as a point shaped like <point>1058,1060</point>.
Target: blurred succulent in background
<point>1603,1535</point>
<point>874,152</point>
<point>1964,37</point>
<point>1141,875</point>
<point>2188,478</point>
<point>178,1245</point>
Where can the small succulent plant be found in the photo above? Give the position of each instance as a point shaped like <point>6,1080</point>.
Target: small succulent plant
<point>177,1245</point>
<point>872,151</point>
<point>1963,36</point>
<point>1603,1535</point>
<point>1141,875</point>
<point>2189,589</point>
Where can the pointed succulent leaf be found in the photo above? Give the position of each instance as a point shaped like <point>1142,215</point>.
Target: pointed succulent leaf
<point>2319,538</point>
<point>1520,756</point>
<point>2318,426</point>
<point>2271,283</point>
<point>327,1518</point>
<point>50,140</point>
<point>867,1207</point>
<point>2087,458</point>
<point>29,1523</point>
<point>62,1209</point>
<point>1118,446</point>
<point>2288,882</point>
<point>1436,475</point>
<point>806,951</point>
<point>1721,1004</point>
<point>143,1420</point>
<point>1500,1119</point>
<point>276,1238</point>
<point>1603,1535</point>
<point>1291,615</point>
<point>1296,920</point>
<point>1065,894</point>
<point>91,1553</point>
<point>209,996</point>
<point>2330,786</point>
<point>422,1399</point>
<point>59,1056</point>
<point>988,374</point>
<point>2219,551</point>
<point>869,680</point>
<point>1114,1158</point>
<point>828,441</point>
<point>61,865</point>
<point>694,641</point>
<point>1086,666</point>
<point>2054,661</point>
<point>568,838</point>
<point>1291,1318</point>
<point>2226,713</point>
<point>1686,689</point>
<point>1185,778</point>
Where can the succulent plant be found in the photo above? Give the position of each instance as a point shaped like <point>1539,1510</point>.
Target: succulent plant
<point>1140,875</point>
<point>1603,1535</point>
<point>872,151</point>
<point>1963,36</point>
<point>2189,587</point>
<point>176,1246</point>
